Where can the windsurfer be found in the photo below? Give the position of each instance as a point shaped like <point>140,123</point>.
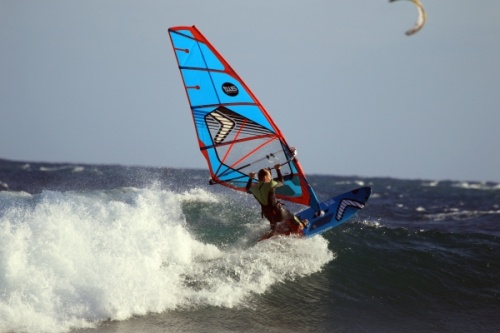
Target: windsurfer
<point>271,208</point>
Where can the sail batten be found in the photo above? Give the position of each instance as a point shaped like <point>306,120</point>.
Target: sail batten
<point>236,135</point>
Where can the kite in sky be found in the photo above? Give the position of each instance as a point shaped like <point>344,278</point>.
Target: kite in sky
<point>422,16</point>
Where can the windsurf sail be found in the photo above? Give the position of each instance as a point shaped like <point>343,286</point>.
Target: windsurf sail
<point>235,133</point>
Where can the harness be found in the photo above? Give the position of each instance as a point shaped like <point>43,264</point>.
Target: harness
<point>270,207</point>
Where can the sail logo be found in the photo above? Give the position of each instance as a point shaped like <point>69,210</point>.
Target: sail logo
<point>346,203</point>
<point>226,125</point>
<point>230,89</point>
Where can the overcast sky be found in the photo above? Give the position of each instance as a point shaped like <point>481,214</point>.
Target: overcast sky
<point>97,82</point>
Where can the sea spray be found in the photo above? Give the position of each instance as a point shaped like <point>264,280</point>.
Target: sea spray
<point>72,259</point>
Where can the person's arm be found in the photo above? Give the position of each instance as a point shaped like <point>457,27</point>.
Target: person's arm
<point>249,183</point>
<point>280,178</point>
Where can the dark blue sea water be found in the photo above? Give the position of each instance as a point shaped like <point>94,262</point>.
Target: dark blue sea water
<point>93,248</point>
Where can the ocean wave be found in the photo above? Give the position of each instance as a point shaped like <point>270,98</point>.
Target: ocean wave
<point>484,186</point>
<point>3,186</point>
<point>73,168</point>
<point>460,214</point>
<point>73,259</point>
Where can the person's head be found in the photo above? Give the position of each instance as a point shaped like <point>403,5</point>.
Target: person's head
<point>264,175</point>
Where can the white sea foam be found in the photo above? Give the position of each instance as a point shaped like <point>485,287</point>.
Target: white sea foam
<point>477,186</point>
<point>431,183</point>
<point>4,186</point>
<point>372,223</point>
<point>73,168</point>
<point>73,259</point>
<point>348,182</point>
